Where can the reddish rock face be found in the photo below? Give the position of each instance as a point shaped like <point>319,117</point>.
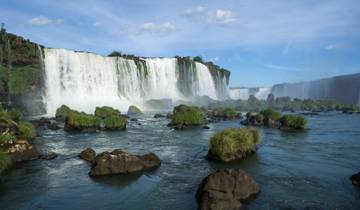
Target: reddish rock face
<point>226,190</point>
<point>120,162</point>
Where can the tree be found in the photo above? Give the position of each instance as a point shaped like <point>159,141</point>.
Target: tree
<point>198,59</point>
<point>115,54</point>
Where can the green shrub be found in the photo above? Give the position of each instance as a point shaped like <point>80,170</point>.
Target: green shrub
<point>234,143</point>
<point>5,161</point>
<point>226,113</point>
<point>62,112</point>
<point>260,119</point>
<point>293,122</point>
<point>270,114</point>
<point>27,131</point>
<point>7,137</point>
<point>79,120</point>
<point>15,114</point>
<point>106,111</point>
<point>115,122</point>
<point>187,115</point>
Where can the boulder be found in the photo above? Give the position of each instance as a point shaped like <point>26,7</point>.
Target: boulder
<point>80,121</point>
<point>226,189</point>
<point>187,116</point>
<point>159,116</point>
<point>120,162</point>
<point>355,179</point>
<point>22,151</point>
<point>133,110</point>
<point>88,155</point>
<point>206,127</point>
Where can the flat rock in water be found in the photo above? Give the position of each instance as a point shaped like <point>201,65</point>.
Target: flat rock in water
<point>120,162</point>
<point>49,156</point>
<point>226,190</point>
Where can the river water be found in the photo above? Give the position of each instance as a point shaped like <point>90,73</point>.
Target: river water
<point>296,170</point>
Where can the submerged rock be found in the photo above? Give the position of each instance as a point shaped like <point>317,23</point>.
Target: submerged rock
<point>22,151</point>
<point>88,154</point>
<point>355,179</point>
<point>49,156</point>
<point>206,127</point>
<point>159,116</point>
<point>226,189</point>
<point>120,162</point>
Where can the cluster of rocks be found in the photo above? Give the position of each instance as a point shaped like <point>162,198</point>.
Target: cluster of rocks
<point>118,162</point>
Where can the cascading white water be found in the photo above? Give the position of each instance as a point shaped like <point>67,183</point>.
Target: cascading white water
<point>244,93</point>
<point>85,80</point>
<point>206,86</point>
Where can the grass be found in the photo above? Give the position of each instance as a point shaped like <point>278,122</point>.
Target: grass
<point>5,161</point>
<point>106,111</point>
<point>293,122</point>
<point>62,112</point>
<point>234,143</point>
<point>115,122</point>
<point>226,113</point>
<point>27,131</point>
<point>80,120</point>
<point>187,115</point>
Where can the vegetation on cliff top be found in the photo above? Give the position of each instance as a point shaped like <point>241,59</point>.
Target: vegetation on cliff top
<point>234,143</point>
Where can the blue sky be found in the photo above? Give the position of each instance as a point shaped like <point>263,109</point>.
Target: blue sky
<point>260,42</point>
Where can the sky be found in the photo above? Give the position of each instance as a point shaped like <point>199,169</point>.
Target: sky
<point>262,42</point>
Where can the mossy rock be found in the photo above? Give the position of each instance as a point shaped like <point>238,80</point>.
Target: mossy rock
<point>27,131</point>
<point>226,113</point>
<point>7,138</point>
<point>184,116</point>
<point>106,111</point>
<point>5,161</point>
<point>115,122</point>
<point>133,110</point>
<point>293,122</point>
<point>234,144</point>
<point>62,112</point>
<point>81,121</point>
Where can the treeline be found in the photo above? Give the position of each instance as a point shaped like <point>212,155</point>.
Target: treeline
<point>285,104</point>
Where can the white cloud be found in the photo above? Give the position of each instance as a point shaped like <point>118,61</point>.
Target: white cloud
<point>156,28</point>
<point>97,24</point>
<point>223,17</point>
<point>195,11</point>
<point>330,47</point>
<point>42,20</point>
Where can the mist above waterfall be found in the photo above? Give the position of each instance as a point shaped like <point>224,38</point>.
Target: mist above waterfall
<point>85,80</point>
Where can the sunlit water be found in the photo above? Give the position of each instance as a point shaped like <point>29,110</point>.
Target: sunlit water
<point>295,170</point>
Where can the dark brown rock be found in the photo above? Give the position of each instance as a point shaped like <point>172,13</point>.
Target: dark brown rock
<point>23,151</point>
<point>355,179</point>
<point>49,156</point>
<point>120,162</point>
<point>226,190</point>
<point>88,154</point>
<point>159,116</point>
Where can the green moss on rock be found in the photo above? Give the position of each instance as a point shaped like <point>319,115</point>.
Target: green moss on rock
<point>293,122</point>
<point>26,131</point>
<point>234,143</point>
<point>115,122</point>
<point>226,113</point>
<point>106,111</point>
<point>62,112</point>
<point>134,110</point>
<point>81,121</point>
<point>7,138</point>
<point>184,116</point>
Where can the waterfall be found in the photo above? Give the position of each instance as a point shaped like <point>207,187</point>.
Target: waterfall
<point>244,93</point>
<point>84,80</point>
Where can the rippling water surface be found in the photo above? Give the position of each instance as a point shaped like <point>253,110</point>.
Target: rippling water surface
<point>296,170</point>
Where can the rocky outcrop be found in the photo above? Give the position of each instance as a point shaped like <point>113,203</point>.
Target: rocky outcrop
<point>120,162</point>
<point>133,110</point>
<point>22,151</point>
<point>88,154</point>
<point>49,156</point>
<point>226,190</point>
<point>355,179</point>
